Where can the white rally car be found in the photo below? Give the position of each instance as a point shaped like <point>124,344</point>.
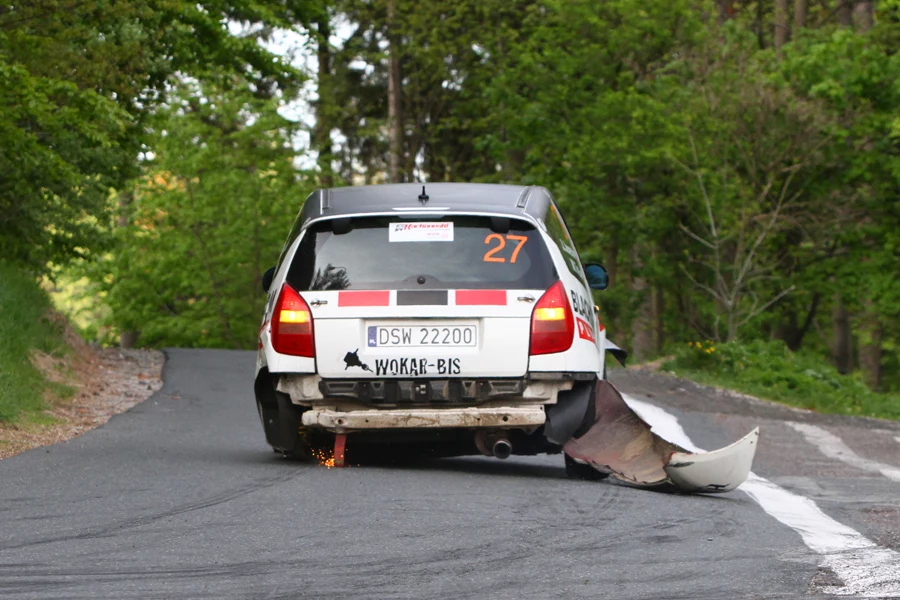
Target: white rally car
<point>455,316</point>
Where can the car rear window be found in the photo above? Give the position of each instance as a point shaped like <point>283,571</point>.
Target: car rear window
<point>454,252</point>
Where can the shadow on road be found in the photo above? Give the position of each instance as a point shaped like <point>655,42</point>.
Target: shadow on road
<point>475,466</point>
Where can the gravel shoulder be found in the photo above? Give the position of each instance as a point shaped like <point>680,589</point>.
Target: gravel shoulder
<point>106,382</point>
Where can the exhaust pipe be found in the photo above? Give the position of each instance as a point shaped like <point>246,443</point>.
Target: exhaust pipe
<point>502,449</point>
<point>493,443</point>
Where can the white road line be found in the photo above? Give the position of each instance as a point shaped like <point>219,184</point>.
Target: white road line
<point>834,447</point>
<point>897,439</point>
<point>866,569</point>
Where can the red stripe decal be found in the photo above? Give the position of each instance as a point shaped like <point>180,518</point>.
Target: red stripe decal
<point>364,298</point>
<point>481,297</point>
<point>585,331</point>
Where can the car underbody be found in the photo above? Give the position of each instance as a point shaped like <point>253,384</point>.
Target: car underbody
<point>548,413</point>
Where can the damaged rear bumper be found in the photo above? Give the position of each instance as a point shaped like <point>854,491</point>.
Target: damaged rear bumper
<point>503,417</point>
<point>613,439</point>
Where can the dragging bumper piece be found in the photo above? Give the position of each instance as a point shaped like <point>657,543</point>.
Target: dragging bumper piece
<point>620,443</point>
<point>501,417</point>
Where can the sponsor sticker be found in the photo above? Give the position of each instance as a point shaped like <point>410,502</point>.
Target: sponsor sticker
<point>421,232</point>
<point>417,367</point>
<point>585,331</point>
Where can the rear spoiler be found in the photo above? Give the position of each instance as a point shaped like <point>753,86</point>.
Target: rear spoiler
<point>619,354</point>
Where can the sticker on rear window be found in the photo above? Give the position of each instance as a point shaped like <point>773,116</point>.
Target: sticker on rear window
<point>421,232</point>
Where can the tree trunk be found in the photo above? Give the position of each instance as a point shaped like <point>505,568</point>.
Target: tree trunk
<point>782,29</point>
<point>642,326</point>
<point>760,30</point>
<point>321,134</point>
<point>659,313</point>
<point>871,337</point>
<point>801,8</point>
<point>842,351</point>
<point>787,328</point>
<point>791,331</point>
<point>610,317</point>
<point>127,339</point>
<point>612,261</point>
<point>807,322</point>
<point>863,15</point>
<point>395,116</point>
<point>845,12</point>
<point>726,10</point>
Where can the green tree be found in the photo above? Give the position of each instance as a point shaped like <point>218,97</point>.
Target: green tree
<point>208,217</point>
<point>78,81</point>
<point>855,75</point>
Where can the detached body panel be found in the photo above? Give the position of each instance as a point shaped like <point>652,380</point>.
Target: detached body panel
<point>620,443</point>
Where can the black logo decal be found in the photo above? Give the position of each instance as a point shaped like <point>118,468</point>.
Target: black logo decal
<point>351,359</point>
<point>417,367</point>
<point>715,487</point>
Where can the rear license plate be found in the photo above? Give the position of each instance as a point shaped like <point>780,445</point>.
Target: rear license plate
<point>441,336</point>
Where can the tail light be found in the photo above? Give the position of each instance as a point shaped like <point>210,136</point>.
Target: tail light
<point>292,326</point>
<point>552,322</point>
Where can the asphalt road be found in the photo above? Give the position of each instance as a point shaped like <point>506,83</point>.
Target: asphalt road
<point>181,498</point>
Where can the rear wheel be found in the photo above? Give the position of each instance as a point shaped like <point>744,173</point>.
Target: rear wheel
<point>577,470</point>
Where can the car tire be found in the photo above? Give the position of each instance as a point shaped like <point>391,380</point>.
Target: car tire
<point>576,470</point>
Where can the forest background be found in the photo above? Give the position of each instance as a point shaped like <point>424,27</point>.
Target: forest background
<point>734,164</point>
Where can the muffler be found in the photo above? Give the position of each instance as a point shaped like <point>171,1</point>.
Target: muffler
<point>493,443</point>
<point>502,449</point>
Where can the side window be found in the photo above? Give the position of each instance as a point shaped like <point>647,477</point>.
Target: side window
<point>295,231</point>
<point>295,228</point>
<point>558,232</point>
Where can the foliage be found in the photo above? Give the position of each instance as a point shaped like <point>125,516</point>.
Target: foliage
<point>25,326</point>
<point>60,152</point>
<point>768,369</point>
<point>721,181</point>
<point>78,81</point>
<point>206,221</point>
<point>734,191</point>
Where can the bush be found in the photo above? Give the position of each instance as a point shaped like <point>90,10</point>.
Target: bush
<point>769,370</point>
<point>25,325</point>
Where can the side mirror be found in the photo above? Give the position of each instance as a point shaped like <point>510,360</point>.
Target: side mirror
<point>267,278</point>
<point>597,277</point>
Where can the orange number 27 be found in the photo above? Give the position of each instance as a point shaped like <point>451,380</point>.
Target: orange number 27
<point>489,255</point>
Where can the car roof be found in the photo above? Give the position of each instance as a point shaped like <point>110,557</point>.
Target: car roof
<point>509,200</point>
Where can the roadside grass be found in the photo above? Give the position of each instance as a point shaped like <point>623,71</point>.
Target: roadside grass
<point>26,327</point>
<point>767,369</point>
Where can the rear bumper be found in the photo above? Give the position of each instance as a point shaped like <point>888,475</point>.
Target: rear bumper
<point>312,390</point>
<point>502,417</point>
